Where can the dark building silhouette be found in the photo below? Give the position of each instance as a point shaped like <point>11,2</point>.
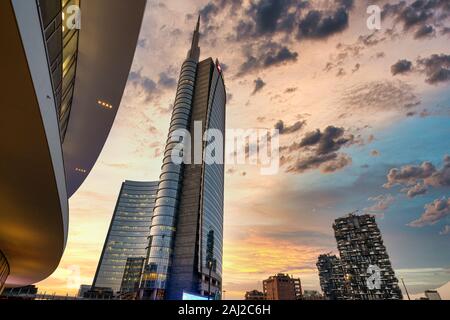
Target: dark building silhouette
<point>255,295</point>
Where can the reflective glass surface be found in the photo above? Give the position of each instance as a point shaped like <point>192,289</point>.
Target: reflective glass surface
<point>128,233</point>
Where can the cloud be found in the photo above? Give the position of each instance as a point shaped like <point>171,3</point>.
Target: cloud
<point>436,67</point>
<point>166,81</point>
<point>417,190</point>
<point>418,16</point>
<point>259,85</point>
<point>434,212</point>
<point>379,96</point>
<point>145,86</point>
<point>401,67</point>
<point>266,55</point>
<point>211,9</point>
<point>319,25</point>
<point>382,203</point>
<point>291,90</point>
<point>318,150</point>
<point>417,179</point>
<point>283,129</point>
<point>425,31</point>
<point>445,231</point>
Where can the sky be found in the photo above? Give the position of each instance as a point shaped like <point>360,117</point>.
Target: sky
<point>364,120</point>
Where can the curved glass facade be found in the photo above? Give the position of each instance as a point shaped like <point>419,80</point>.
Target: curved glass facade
<point>185,249</point>
<point>213,188</point>
<point>61,41</point>
<point>164,216</point>
<point>4,271</point>
<point>128,233</point>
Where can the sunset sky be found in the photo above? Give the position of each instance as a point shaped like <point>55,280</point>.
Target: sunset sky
<point>364,118</point>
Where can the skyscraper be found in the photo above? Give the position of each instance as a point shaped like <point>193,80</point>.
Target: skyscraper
<point>367,268</point>
<point>282,287</point>
<point>61,87</point>
<point>128,233</point>
<point>132,277</point>
<point>187,228</point>
<point>331,275</point>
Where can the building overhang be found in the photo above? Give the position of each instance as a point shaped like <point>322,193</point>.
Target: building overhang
<point>33,196</point>
<point>108,38</point>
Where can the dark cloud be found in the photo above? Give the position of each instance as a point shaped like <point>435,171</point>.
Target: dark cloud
<point>282,56</point>
<point>266,55</point>
<point>166,81</point>
<point>420,16</point>
<point>208,11</point>
<point>401,67</point>
<point>266,17</point>
<point>434,212</point>
<point>318,150</point>
<point>211,9</point>
<point>318,25</point>
<point>283,129</point>
<point>259,85</point>
<point>436,67</point>
<point>146,86</point>
<point>291,90</point>
<point>327,163</point>
<point>424,31</point>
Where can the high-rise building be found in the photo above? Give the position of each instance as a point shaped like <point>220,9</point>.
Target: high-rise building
<point>282,287</point>
<point>312,295</point>
<point>132,274</point>
<point>187,228</point>
<point>84,288</point>
<point>331,275</point>
<point>61,84</point>
<point>255,295</point>
<point>367,269</point>
<point>128,233</point>
<point>432,295</point>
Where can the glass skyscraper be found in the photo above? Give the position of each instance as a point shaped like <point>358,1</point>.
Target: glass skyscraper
<point>186,234</point>
<point>128,233</point>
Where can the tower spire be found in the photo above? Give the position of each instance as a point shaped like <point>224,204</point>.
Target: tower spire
<point>194,52</point>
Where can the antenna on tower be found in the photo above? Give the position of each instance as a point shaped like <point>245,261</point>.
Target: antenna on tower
<point>194,52</point>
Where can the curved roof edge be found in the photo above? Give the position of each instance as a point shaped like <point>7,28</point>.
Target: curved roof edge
<point>108,39</point>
